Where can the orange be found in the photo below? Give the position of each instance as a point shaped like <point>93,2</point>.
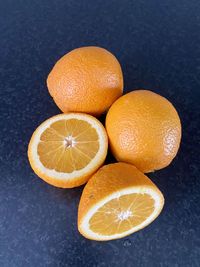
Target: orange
<point>144,129</point>
<point>87,79</point>
<point>67,149</point>
<point>117,201</point>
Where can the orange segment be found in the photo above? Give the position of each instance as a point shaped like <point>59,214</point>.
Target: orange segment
<point>66,149</point>
<point>118,200</point>
<point>89,134</point>
<point>51,135</point>
<point>88,148</point>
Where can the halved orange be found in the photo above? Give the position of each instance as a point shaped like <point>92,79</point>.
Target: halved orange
<point>117,201</point>
<point>67,149</point>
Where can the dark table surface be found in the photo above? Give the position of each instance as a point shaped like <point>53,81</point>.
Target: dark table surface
<point>158,45</point>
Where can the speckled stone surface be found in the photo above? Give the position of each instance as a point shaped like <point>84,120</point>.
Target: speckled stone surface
<point>158,45</point>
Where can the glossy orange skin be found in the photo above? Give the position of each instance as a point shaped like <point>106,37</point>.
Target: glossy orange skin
<point>87,79</point>
<point>144,129</point>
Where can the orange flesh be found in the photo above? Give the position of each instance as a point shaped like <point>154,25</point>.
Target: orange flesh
<point>68,145</point>
<point>122,214</point>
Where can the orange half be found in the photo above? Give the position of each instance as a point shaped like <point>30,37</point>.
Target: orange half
<point>117,201</point>
<point>67,149</point>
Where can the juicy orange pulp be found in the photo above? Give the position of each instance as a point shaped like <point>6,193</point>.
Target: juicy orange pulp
<point>119,215</point>
<point>68,145</point>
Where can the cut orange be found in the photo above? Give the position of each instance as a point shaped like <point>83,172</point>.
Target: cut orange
<point>117,201</point>
<point>67,149</point>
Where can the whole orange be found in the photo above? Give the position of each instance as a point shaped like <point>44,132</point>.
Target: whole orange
<point>87,79</point>
<point>144,129</point>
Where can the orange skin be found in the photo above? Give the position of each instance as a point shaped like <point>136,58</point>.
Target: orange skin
<point>144,129</point>
<point>87,79</point>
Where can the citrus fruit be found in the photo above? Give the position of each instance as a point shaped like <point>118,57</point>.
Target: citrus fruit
<point>144,129</point>
<point>117,201</point>
<point>67,149</point>
<point>87,79</point>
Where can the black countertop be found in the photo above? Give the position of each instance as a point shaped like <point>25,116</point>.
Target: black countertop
<point>158,45</point>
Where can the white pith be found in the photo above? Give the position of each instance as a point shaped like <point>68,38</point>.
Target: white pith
<point>158,204</point>
<point>69,141</point>
<point>76,173</point>
<point>123,215</point>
